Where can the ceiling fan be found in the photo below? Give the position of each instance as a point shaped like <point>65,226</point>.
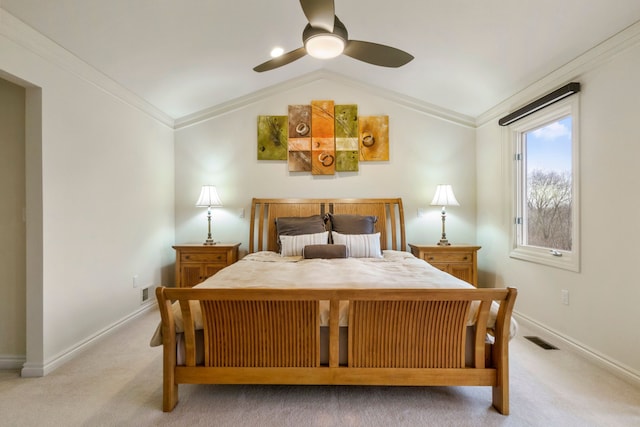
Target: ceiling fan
<point>325,36</point>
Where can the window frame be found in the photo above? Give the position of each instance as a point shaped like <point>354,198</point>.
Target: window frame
<point>568,260</point>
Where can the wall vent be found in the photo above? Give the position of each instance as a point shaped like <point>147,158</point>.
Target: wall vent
<point>542,343</point>
<point>144,295</point>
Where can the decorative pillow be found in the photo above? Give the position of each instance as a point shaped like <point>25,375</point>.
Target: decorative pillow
<point>293,245</point>
<point>294,226</point>
<point>359,245</point>
<point>325,251</point>
<point>353,224</point>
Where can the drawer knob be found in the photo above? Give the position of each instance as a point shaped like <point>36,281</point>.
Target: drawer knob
<point>430,258</point>
<point>466,258</point>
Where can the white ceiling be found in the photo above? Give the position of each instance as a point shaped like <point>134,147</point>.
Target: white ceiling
<point>184,56</point>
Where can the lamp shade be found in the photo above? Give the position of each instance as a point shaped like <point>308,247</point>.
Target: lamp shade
<point>444,196</point>
<point>208,197</point>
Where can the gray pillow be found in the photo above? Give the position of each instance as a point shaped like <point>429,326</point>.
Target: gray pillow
<point>295,226</point>
<point>353,224</point>
<point>325,251</point>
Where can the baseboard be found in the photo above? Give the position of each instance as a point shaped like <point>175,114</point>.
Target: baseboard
<point>40,370</point>
<point>614,367</point>
<point>8,361</point>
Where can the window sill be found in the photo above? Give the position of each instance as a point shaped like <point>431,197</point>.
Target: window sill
<point>566,261</point>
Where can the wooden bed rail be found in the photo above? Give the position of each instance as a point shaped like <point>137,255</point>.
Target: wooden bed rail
<point>396,337</point>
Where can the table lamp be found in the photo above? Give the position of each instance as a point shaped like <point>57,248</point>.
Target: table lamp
<point>209,198</point>
<point>444,197</point>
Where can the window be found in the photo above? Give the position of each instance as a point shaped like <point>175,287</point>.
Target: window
<point>546,220</point>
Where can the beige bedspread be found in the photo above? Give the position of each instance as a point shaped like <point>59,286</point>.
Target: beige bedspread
<point>396,269</point>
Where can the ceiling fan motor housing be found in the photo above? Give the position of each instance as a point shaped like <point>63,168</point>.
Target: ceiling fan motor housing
<point>339,32</point>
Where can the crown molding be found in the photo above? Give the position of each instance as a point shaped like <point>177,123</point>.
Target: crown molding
<point>590,60</point>
<point>27,37</point>
<point>24,35</point>
<point>409,102</point>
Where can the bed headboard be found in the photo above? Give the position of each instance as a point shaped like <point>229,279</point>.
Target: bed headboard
<point>263,236</point>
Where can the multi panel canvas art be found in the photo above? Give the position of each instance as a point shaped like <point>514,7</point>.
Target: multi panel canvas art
<point>323,138</point>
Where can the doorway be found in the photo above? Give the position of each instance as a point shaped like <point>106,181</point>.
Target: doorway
<point>13,304</point>
<point>30,313</point>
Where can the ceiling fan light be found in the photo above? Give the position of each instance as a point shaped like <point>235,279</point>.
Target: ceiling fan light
<point>324,46</point>
<point>276,52</point>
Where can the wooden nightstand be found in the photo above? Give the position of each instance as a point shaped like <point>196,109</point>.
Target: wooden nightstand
<point>460,261</point>
<point>194,263</point>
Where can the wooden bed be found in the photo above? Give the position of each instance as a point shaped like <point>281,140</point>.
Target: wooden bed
<point>403,337</point>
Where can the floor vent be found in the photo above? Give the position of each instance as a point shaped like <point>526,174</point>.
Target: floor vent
<point>542,343</point>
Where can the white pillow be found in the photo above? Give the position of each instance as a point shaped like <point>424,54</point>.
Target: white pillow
<point>293,245</point>
<point>359,245</point>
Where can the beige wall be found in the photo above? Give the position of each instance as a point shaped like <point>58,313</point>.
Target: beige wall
<point>425,150</point>
<point>100,197</point>
<point>601,319</point>
<point>12,225</point>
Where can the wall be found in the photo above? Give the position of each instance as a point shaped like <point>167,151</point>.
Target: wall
<point>13,332</point>
<point>424,151</point>
<point>601,319</point>
<point>100,189</point>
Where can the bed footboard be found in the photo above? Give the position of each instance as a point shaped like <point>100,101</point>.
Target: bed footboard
<point>396,337</point>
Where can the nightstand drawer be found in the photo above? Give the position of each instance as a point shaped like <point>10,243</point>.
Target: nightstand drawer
<point>447,257</point>
<point>204,257</point>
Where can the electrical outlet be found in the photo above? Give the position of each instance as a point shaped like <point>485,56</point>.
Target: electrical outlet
<point>564,296</point>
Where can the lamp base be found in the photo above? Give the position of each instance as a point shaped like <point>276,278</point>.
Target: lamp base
<point>443,237</point>
<point>209,242</point>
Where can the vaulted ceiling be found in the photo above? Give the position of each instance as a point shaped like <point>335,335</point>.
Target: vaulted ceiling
<point>184,56</point>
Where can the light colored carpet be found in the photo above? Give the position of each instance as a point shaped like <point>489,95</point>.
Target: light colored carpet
<point>105,386</point>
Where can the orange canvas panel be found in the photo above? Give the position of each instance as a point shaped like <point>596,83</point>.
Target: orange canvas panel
<point>322,121</point>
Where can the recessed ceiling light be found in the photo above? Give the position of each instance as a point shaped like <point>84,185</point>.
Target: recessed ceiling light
<point>276,51</point>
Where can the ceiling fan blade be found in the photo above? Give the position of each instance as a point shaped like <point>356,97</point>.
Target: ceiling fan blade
<point>377,54</point>
<point>319,13</point>
<point>281,60</point>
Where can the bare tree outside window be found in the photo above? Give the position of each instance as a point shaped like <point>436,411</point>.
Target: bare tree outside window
<point>549,209</point>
